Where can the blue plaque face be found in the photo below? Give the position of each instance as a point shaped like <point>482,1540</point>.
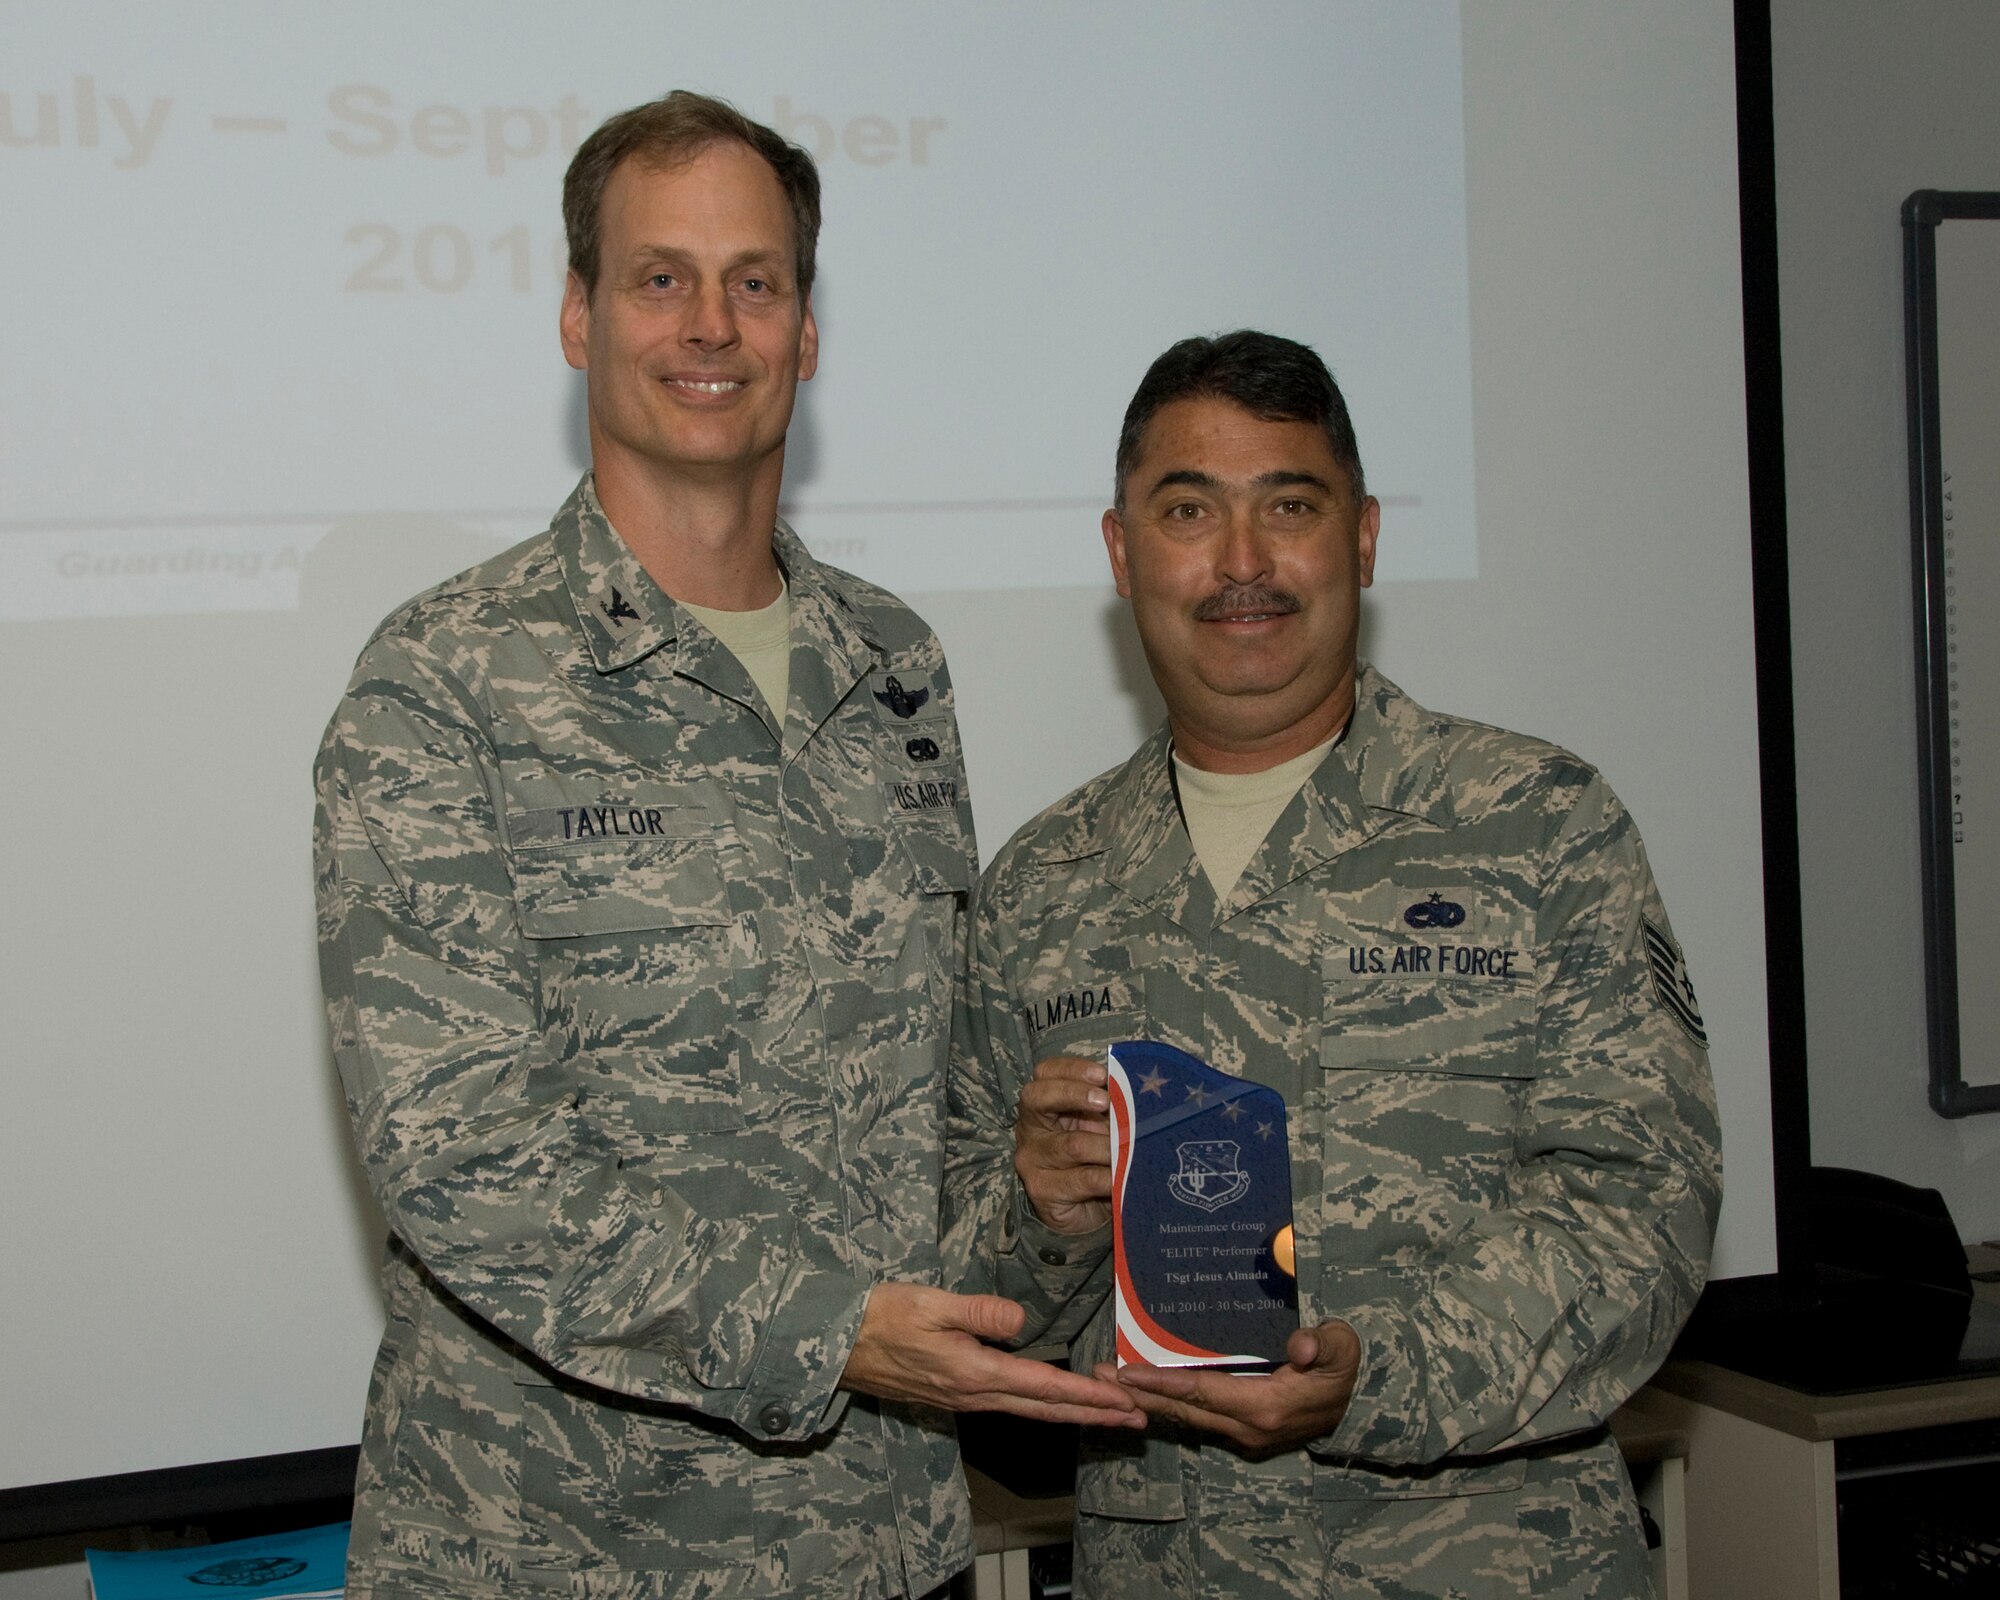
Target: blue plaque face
<point>1201,1213</point>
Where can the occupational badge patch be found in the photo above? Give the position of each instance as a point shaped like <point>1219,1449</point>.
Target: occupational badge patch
<point>1672,983</point>
<point>1436,912</point>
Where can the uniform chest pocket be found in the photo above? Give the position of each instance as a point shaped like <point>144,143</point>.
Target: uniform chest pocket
<point>941,873</point>
<point>939,861</point>
<point>924,799</point>
<point>639,961</point>
<point>1424,1080</point>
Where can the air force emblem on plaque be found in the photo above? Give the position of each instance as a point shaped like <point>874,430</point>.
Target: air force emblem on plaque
<point>1208,1177</point>
<point>904,702</point>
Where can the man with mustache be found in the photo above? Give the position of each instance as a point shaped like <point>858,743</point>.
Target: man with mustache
<point>642,851</point>
<point>1442,944</point>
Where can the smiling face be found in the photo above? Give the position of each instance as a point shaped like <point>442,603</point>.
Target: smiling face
<point>1244,551</point>
<point>695,336</point>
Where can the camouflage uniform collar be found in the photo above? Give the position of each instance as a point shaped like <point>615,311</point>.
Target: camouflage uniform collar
<point>625,616</point>
<point>1146,845</point>
<point>836,641</point>
<point>1391,760</point>
<point>821,592</point>
<point>1388,764</point>
<point>1385,766</point>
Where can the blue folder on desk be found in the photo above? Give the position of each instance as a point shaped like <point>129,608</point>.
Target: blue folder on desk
<point>294,1566</point>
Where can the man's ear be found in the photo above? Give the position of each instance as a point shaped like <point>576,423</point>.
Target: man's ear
<point>1364,539</point>
<point>575,323</point>
<point>1114,546</point>
<point>808,344</point>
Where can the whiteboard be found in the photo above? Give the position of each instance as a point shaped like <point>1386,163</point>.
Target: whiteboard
<point>1952,287</point>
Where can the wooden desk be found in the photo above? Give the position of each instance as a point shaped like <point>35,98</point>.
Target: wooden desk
<point>1655,1448</point>
<point>1761,1513</point>
<point>1761,1516</point>
<point>1005,1527</point>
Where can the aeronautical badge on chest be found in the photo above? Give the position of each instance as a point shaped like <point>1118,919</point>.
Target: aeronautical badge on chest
<point>1439,936</point>
<point>919,725</point>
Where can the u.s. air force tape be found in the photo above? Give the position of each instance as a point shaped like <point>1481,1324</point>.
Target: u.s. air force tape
<point>929,794</point>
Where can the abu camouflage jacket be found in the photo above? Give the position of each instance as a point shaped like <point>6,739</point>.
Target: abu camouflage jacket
<point>1449,956</point>
<point>639,992</point>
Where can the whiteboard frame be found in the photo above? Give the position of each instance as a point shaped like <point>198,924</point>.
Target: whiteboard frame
<point>1924,212</point>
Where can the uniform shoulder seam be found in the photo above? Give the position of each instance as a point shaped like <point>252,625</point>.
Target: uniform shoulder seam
<point>1065,831</point>
<point>1463,735</point>
<point>909,628</point>
<point>419,618</point>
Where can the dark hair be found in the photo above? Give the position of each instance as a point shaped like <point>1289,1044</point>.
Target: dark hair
<point>666,133</point>
<point>1279,380</point>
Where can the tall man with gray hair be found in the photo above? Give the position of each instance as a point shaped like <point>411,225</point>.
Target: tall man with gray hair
<point>641,857</point>
<point>1505,1167</point>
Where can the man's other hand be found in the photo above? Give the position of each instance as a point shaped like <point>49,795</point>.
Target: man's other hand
<point>1062,1144</point>
<point>1261,1416</point>
<point>923,1345</point>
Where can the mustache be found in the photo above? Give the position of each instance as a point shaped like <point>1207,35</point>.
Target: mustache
<point>1246,597</point>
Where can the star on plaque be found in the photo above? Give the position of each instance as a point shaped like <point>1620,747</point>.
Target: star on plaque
<point>1197,1095</point>
<point>1265,1130</point>
<point>1232,1112</point>
<point>1154,1082</point>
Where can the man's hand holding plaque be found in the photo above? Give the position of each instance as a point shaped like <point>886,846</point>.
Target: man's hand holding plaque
<point>1068,1140</point>
<point>1060,1150</point>
<point>1261,1415</point>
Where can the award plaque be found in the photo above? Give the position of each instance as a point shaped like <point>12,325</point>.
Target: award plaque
<point>1201,1214</point>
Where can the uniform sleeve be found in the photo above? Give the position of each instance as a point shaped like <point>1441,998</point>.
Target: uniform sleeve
<point>993,1241</point>
<point>483,1170</point>
<point>1541,1319</point>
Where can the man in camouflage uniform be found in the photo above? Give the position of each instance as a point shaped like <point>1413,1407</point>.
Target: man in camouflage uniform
<point>637,947</point>
<point>1446,951</point>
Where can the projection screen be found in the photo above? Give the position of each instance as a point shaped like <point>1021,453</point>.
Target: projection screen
<point>281,350</point>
